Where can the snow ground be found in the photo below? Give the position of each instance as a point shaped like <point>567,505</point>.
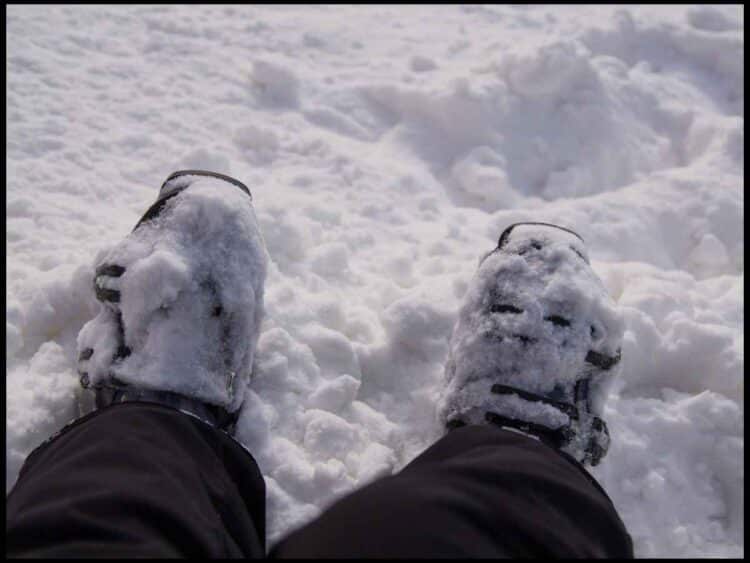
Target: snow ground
<point>386,148</point>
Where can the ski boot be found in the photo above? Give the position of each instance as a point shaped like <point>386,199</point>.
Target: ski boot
<point>537,343</point>
<point>181,302</point>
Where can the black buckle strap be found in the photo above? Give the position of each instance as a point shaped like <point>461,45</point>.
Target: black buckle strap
<point>602,360</point>
<point>557,437</point>
<point>506,233</point>
<point>155,209</point>
<point>209,174</point>
<point>102,293</point>
<point>567,408</point>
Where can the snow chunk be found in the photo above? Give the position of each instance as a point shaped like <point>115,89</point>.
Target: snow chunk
<point>707,18</point>
<point>258,145</point>
<point>482,173</point>
<point>336,394</point>
<point>555,70</point>
<point>330,259</point>
<point>275,84</point>
<point>709,257</point>
<point>375,461</point>
<point>419,63</point>
<point>327,435</point>
<point>419,324</point>
<point>206,159</point>
<point>333,351</point>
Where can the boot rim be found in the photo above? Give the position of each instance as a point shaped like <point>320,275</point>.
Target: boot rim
<point>155,209</point>
<point>505,235</point>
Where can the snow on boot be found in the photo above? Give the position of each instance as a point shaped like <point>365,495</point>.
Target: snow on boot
<point>181,302</point>
<point>536,344</point>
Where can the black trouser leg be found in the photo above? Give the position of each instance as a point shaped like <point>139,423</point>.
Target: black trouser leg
<point>135,480</point>
<point>478,492</point>
<point>144,480</point>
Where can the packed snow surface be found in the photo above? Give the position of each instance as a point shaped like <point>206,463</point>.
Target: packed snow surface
<point>386,148</point>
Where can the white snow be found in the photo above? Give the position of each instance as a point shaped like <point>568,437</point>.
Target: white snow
<point>386,148</point>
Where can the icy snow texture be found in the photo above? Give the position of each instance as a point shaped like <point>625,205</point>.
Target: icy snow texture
<point>505,334</point>
<point>201,255</point>
<point>378,182</point>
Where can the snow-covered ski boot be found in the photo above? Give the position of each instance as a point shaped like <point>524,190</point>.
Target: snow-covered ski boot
<point>181,302</point>
<point>536,344</point>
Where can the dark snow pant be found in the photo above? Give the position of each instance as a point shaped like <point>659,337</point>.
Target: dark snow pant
<point>139,479</point>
